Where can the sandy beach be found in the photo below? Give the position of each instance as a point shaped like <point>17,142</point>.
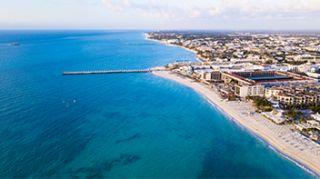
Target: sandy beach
<point>198,58</point>
<point>292,145</point>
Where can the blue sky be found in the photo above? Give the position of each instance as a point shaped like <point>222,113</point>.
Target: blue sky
<point>161,14</point>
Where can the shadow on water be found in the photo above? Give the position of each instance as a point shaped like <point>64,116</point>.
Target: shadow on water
<point>224,159</point>
<point>98,170</point>
<point>135,136</point>
<point>215,167</point>
<point>34,154</point>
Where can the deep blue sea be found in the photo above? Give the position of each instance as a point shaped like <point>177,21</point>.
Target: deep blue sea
<point>116,126</point>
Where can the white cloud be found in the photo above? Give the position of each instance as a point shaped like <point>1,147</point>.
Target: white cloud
<point>266,8</point>
<point>113,6</point>
<point>150,7</point>
<point>219,8</point>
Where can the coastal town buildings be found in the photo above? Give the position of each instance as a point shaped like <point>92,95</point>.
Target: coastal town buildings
<point>250,47</point>
<point>278,71</point>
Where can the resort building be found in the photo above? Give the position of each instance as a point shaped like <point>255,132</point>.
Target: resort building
<point>273,92</point>
<point>254,90</point>
<point>211,76</point>
<point>253,83</point>
<point>298,99</point>
<point>316,117</point>
<point>300,96</point>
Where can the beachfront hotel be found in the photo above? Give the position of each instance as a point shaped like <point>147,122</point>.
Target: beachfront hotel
<point>295,96</point>
<point>242,79</point>
<point>254,83</point>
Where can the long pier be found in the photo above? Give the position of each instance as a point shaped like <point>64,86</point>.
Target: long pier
<point>109,72</point>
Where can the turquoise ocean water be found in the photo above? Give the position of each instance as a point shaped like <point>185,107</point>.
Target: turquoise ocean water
<point>117,126</point>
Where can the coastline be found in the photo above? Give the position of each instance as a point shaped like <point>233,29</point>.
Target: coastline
<point>198,58</point>
<point>274,135</point>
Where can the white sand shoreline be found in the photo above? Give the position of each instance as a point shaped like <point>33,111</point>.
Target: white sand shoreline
<point>273,135</point>
<point>200,59</point>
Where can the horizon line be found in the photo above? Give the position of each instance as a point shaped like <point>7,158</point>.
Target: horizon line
<point>149,29</point>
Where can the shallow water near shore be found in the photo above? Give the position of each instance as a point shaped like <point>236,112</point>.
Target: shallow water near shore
<point>117,126</point>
